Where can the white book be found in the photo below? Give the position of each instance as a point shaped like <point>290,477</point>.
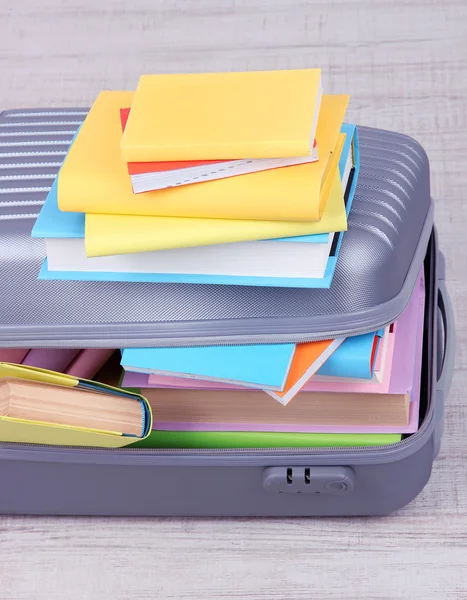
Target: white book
<point>268,258</point>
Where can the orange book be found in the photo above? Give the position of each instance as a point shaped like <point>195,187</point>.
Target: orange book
<point>308,358</point>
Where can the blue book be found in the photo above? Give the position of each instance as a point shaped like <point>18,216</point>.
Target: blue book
<point>355,357</point>
<point>265,366</point>
<point>275,263</point>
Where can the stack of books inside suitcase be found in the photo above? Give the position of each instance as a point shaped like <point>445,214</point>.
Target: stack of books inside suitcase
<point>215,179</point>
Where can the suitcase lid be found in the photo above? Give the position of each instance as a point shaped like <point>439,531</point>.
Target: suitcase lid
<point>381,254</point>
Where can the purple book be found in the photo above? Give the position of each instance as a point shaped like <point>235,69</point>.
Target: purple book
<point>88,362</point>
<point>53,359</point>
<point>13,355</point>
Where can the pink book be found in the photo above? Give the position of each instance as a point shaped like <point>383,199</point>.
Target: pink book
<point>13,355</point>
<point>54,359</point>
<point>89,362</point>
<point>406,378</point>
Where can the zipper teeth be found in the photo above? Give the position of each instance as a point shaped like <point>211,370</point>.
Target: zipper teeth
<point>410,439</point>
<point>122,342</point>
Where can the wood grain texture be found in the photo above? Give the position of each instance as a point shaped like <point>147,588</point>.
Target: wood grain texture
<point>404,63</point>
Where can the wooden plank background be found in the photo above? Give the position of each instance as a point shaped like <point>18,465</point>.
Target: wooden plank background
<point>405,65</point>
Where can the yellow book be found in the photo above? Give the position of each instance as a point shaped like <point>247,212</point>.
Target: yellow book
<point>106,235</point>
<point>201,116</point>
<point>22,407</point>
<point>94,178</point>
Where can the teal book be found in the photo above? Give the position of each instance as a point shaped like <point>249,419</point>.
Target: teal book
<point>355,357</point>
<point>265,366</point>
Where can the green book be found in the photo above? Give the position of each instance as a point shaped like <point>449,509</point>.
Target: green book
<point>252,439</point>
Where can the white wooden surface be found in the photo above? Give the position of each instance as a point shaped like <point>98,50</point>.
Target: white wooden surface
<point>405,65</point>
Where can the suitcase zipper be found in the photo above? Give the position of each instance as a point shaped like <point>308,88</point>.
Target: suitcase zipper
<point>371,453</point>
<point>290,337</point>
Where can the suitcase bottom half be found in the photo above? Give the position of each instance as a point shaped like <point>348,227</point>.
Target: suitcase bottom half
<point>39,480</point>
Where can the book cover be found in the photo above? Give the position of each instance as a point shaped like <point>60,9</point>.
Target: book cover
<point>263,366</point>
<point>380,362</point>
<point>199,116</point>
<point>355,358</point>
<point>308,359</point>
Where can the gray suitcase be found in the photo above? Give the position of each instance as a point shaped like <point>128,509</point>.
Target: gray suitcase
<point>390,237</point>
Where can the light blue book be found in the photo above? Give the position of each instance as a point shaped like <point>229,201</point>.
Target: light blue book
<point>268,261</point>
<point>265,366</point>
<point>275,263</point>
<point>355,357</point>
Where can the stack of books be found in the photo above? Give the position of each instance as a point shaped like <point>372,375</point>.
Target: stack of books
<point>217,178</point>
<point>231,179</point>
